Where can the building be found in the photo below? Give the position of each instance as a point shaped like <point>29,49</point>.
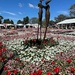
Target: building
<point>2,26</point>
<point>66,24</point>
<point>31,25</point>
<point>10,26</point>
<point>19,25</point>
<point>7,26</point>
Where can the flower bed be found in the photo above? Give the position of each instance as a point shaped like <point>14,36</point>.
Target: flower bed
<point>17,59</point>
<point>45,61</point>
<point>33,54</point>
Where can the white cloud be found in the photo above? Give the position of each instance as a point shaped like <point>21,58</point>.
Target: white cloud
<point>20,5</point>
<point>32,6</point>
<point>9,13</point>
<point>63,12</point>
<point>20,13</point>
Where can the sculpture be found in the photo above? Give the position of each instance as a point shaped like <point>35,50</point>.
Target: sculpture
<point>47,15</point>
<point>40,16</point>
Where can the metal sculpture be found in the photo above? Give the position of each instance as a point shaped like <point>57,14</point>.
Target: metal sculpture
<point>40,16</point>
<point>47,16</point>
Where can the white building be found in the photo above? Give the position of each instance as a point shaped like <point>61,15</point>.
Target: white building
<point>67,24</point>
<point>31,25</point>
<point>2,26</point>
<point>19,25</point>
<point>10,26</point>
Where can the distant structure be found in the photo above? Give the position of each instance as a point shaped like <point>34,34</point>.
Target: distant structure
<point>66,24</point>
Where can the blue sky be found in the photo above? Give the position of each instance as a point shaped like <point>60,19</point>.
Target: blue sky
<point>18,9</point>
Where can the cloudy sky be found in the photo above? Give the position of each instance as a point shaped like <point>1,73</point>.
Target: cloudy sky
<point>18,9</point>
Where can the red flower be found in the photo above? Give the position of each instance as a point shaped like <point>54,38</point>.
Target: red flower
<point>72,69</point>
<point>34,40</point>
<point>0,52</point>
<point>21,64</point>
<point>3,59</point>
<point>45,41</point>
<point>51,39</point>
<point>34,73</point>
<point>52,62</point>
<point>0,59</point>
<point>43,60</point>
<point>8,72</point>
<point>1,44</point>
<point>49,73</point>
<point>69,61</point>
<point>61,53</point>
<point>11,55</point>
<point>56,70</point>
<point>4,49</point>
<point>39,72</point>
<point>58,37</point>
<point>15,71</point>
<point>5,68</point>
<point>17,59</point>
<point>31,73</point>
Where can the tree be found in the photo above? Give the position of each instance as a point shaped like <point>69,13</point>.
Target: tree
<point>19,22</point>
<point>11,22</point>
<point>34,20</point>
<point>1,17</point>
<point>51,22</point>
<point>26,20</point>
<point>60,17</point>
<point>72,10</point>
<point>7,21</point>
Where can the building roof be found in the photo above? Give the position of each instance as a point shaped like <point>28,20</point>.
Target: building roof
<point>34,25</point>
<point>19,24</point>
<point>1,25</point>
<point>9,24</point>
<point>67,21</point>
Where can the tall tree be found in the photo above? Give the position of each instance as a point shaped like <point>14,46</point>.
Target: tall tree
<point>7,21</point>
<point>60,17</point>
<point>11,22</point>
<point>72,10</point>
<point>26,20</point>
<point>33,20</point>
<point>19,22</point>
<point>1,17</point>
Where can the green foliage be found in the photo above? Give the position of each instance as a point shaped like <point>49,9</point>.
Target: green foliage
<point>1,17</point>
<point>26,20</point>
<point>11,22</point>
<point>51,22</point>
<point>60,17</point>
<point>72,10</point>
<point>34,20</point>
<point>39,43</point>
<point>8,21</point>
<point>19,22</point>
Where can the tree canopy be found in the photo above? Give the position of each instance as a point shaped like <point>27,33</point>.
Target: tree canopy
<point>8,21</point>
<point>26,20</point>
<point>19,22</point>
<point>34,20</point>
<point>60,17</point>
<point>72,10</point>
<point>1,17</point>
